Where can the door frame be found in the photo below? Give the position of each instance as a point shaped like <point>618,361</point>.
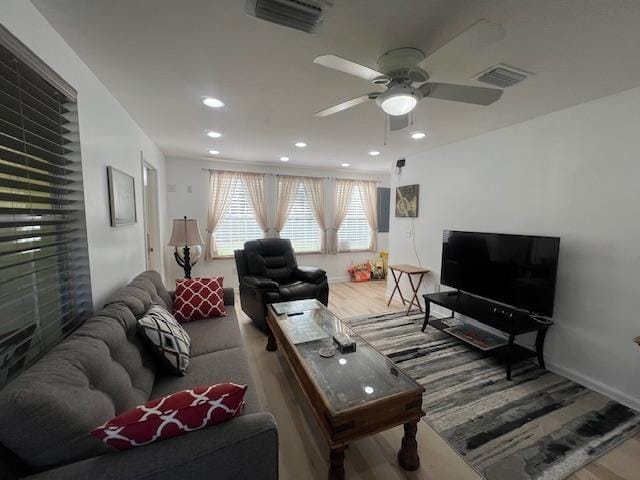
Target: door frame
<point>151,215</point>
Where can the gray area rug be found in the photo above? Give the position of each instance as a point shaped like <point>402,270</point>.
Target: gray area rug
<point>539,426</point>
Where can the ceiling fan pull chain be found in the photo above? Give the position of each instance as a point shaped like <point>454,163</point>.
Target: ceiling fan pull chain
<point>385,129</point>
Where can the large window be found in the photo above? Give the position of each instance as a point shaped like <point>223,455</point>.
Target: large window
<point>45,289</point>
<point>301,227</point>
<point>354,233</point>
<point>238,224</point>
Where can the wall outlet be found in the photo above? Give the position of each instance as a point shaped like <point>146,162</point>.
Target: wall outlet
<point>171,187</point>
<point>409,233</point>
<point>189,189</point>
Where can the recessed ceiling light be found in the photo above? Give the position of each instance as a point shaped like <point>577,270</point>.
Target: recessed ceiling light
<point>284,159</point>
<point>374,153</point>
<point>418,135</point>
<point>300,144</point>
<point>212,134</point>
<point>344,164</point>
<point>212,102</point>
<point>214,152</point>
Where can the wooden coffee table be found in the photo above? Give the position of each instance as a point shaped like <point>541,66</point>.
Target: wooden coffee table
<point>352,395</point>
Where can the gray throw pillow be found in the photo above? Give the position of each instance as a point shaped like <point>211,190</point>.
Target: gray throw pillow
<point>166,338</point>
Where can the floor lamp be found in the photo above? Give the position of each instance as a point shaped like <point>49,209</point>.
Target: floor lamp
<point>185,233</point>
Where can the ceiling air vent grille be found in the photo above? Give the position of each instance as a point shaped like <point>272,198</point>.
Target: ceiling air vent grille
<point>305,16</point>
<point>502,76</point>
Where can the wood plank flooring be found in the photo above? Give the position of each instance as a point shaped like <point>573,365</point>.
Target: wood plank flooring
<point>303,451</point>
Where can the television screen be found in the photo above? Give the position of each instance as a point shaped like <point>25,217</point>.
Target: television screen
<point>518,270</point>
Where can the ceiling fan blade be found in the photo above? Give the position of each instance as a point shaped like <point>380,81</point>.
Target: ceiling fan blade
<point>398,122</point>
<point>347,66</point>
<point>344,105</point>
<point>461,93</point>
<point>476,36</point>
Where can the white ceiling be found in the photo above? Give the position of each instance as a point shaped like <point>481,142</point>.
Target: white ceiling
<point>158,57</point>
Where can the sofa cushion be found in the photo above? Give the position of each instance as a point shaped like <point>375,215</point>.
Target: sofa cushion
<point>213,334</point>
<point>198,298</point>
<point>101,370</point>
<point>229,365</point>
<point>172,416</point>
<point>143,291</point>
<point>166,339</point>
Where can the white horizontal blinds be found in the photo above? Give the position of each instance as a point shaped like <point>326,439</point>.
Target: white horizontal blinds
<point>45,289</point>
<point>238,223</point>
<point>301,227</point>
<point>354,233</point>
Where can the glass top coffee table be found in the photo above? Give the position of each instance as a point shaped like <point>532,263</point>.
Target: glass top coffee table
<point>352,395</point>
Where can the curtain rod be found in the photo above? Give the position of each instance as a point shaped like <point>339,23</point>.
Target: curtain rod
<point>282,175</point>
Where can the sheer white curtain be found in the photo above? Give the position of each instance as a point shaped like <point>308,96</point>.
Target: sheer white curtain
<point>368,197</point>
<point>254,183</point>
<point>344,189</point>
<point>315,194</point>
<point>287,187</point>
<point>221,186</point>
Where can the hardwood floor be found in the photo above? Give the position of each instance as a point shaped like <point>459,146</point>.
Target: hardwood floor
<point>303,451</point>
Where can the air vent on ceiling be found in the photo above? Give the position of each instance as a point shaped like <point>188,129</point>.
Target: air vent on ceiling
<point>303,15</point>
<point>502,76</point>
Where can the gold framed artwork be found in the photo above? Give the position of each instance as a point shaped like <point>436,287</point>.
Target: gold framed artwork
<point>407,198</point>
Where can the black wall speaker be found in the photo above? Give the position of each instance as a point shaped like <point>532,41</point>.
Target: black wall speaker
<point>384,202</point>
<point>400,163</point>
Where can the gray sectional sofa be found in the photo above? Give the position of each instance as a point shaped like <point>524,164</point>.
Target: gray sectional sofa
<point>103,369</point>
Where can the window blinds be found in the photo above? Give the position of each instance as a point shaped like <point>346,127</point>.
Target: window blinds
<point>45,289</point>
<point>354,233</point>
<point>238,224</point>
<point>301,227</point>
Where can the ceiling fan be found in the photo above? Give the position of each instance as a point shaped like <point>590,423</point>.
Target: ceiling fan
<point>401,71</point>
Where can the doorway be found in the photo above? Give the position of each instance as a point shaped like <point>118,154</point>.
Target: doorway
<point>151,216</point>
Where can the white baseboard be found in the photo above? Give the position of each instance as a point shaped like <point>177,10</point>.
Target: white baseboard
<point>593,384</point>
<point>338,279</point>
<point>569,373</point>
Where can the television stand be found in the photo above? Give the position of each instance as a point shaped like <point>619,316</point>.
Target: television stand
<point>510,321</point>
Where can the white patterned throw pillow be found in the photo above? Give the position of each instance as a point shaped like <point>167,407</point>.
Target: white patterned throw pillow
<point>166,338</point>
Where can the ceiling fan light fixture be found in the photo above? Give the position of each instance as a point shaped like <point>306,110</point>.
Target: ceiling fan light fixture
<point>399,99</point>
<point>399,104</point>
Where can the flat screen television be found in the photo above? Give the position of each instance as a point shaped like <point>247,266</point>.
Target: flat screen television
<point>517,270</point>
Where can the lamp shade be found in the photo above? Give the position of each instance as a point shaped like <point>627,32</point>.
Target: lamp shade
<point>185,232</point>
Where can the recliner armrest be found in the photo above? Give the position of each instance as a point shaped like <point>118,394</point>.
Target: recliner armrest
<point>260,282</point>
<point>310,274</point>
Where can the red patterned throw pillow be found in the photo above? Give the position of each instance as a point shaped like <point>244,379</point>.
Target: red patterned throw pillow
<point>173,415</point>
<point>198,298</point>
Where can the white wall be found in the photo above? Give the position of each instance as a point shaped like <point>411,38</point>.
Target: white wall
<point>108,136</point>
<point>186,174</point>
<point>575,174</point>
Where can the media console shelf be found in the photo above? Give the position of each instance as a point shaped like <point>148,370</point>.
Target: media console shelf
<point>509,321</point>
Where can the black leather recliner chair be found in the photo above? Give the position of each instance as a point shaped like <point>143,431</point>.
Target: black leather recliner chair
<point>268,273</point>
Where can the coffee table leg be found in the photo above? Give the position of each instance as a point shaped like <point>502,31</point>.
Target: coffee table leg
<point>272,344</point>
<point>408,455</point>
<point>336,463</point>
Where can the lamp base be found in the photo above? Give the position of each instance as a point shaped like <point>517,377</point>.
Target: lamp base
<point>185,261</point>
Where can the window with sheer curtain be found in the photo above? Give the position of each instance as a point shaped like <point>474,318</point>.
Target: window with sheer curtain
<point>238,224</point>
<point>301,227</point>
<point>355,232</point>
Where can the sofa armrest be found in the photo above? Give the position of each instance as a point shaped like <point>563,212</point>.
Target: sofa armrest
<point>245,447</point>
<point>260,282</point>
<point>228,296</point>
<point>310,274</point>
